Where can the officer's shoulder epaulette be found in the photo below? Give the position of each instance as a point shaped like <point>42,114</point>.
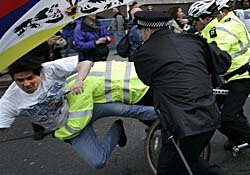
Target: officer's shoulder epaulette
<point>212,32</point>
<point>227,20</point>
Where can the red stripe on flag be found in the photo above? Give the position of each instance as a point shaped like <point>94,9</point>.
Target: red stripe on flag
<point>8,6</point>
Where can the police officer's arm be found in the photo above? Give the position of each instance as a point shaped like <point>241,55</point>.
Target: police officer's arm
<point>83,69</point>
<point>221,60</point>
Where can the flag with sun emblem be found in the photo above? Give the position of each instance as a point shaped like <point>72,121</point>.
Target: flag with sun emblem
<point>27,23</point>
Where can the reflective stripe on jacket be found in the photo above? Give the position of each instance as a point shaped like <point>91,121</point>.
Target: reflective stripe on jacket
<point>234,43</point>
<point>110,81</point>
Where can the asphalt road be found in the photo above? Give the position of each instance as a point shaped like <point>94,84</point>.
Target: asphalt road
<point>52,157</point>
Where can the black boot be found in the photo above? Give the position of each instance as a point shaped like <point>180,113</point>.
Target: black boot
<point>122,138</point>
<point>38,132</point>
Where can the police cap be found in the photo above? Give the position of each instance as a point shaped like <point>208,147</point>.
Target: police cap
<point>152,19</point>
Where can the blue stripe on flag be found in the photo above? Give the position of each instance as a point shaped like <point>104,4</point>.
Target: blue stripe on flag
<point>8,20</point>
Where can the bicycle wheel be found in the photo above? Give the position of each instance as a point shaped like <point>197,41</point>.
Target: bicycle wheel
<point>153,144</point>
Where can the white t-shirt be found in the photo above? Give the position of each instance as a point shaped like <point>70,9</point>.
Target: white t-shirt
<point>46,106</point>
<point>244,16</point>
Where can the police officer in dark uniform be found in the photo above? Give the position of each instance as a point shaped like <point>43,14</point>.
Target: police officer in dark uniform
<point>176,67</point>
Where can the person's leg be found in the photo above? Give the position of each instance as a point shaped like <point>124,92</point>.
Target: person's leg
<point>117,38</point>
<point>123,110</point>
<point>170,162</point>
<point>234,123</point>
<point>94,153</point>
<point>192,147</point>
<point>86,144</point>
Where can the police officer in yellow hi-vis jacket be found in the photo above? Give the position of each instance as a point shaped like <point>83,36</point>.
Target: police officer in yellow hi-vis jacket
<point>218,25</point>
<point>111,89</point>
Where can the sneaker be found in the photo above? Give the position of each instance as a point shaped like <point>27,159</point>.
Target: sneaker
<point>122,138</point>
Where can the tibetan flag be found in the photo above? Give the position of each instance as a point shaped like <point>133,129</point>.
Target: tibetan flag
<point>27,23</point>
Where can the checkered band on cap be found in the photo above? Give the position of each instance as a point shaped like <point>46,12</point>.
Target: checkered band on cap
<point>152,24</point>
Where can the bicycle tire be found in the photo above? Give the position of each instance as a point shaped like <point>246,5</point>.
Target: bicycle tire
<point>152,161</point>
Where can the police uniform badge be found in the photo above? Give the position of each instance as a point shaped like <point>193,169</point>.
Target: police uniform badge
<point>212,32</point>
<point>227,20</point>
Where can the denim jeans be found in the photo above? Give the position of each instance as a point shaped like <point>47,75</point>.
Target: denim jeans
<point>117,37</point>
<point>86,144</point>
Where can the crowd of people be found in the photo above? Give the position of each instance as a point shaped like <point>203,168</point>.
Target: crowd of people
<point>174,62</point>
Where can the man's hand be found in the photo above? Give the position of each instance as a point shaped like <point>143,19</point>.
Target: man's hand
<point>101,40</point>
<point>83,69</point>
<point>77,88</point>
<point>182,20</point>
<point>52,40</point>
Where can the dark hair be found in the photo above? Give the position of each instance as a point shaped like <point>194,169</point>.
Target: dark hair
<point>173,12</point>
<point>242,2</point>
<point>134,3</point>
<point>27,62</point>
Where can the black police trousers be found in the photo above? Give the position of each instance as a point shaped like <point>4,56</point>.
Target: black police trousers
<point>234,123</point>
<point>170,163</point>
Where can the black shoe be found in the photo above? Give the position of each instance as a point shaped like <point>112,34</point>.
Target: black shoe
<point>229,144</point>
<point>38,135</point>
<point>122,138</point>
<point>38,132</point>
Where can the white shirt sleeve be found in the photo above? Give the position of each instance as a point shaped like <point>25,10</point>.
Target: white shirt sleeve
<point>61,68</point>
<point>8,110</point>
<point>239,13</point>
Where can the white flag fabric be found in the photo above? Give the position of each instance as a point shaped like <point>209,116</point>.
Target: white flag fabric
<point>39,21</point>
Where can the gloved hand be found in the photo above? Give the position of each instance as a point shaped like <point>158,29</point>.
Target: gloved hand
<point>165,135</point>
<point>167,126</point>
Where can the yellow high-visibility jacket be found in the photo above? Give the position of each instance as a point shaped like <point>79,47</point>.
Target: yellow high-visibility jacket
<point>227,39</point>
<point>236,26</point>
<point>110,81</point>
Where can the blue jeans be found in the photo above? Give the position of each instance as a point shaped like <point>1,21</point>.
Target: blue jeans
<point>117,37</point>
<point>86,144</point>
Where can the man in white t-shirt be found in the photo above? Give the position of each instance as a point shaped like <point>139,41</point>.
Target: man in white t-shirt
<point>38,92</point>
<point>244,16</point>
<point>243,13</point>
